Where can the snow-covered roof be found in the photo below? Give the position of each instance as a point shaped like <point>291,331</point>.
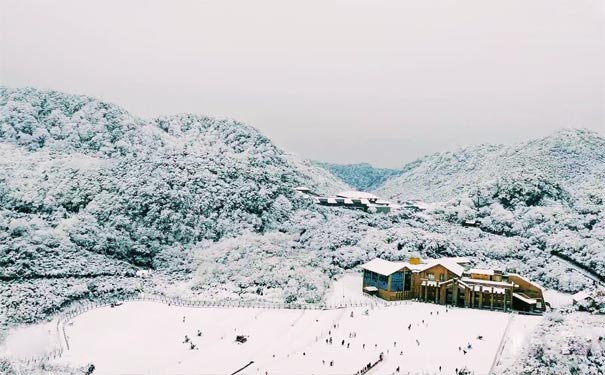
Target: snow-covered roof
<point>302,188</point>
<point>481,271</point>
<point>370,289</point>
<point>529,301</point>
<point>526,280</point>
<point>356,194</point>
<point>452,266</point>
<point>348,201</point>
<point>487,282</point>
<point>332,200</point>
<point>382,267</point>
<point>580,296</point>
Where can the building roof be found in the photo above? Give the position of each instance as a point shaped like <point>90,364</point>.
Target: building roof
<point>356,194</point>
<point>581,296</point>
<point>468,280</point>
<point>524,298</point>
<point>526,280</point>
<point>481,271</point>
<point>451,265</point>
<point>382,267</point>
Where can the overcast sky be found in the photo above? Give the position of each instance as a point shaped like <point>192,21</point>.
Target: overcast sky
<point>381,81</point>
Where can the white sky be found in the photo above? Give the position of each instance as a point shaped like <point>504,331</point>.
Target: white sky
<point>382,81</point>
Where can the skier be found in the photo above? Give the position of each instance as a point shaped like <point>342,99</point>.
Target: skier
<point>199,333</point>
<point>417,342</point>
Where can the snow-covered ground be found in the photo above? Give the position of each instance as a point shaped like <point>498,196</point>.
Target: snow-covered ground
<point>147,337</point>
<point>516,339</point>
<point>347,290</point>
<point>31,341</point>
<point>557,299</point>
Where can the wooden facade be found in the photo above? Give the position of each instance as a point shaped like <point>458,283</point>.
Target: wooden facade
<point>444,283</point>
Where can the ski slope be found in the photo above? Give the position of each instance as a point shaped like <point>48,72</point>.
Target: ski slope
<point>147,337</point>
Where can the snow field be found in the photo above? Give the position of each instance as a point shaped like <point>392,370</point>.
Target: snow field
<point>147,337</point>
<point>31,341</point>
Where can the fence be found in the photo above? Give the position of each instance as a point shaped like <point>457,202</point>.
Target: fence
<point>65,317</point>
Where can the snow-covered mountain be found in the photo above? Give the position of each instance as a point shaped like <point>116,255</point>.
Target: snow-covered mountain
<point>573,158</point>
<point>88,190</point>
<point>90,193</point>
<point>362,176</point>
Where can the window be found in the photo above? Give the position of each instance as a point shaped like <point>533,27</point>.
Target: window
<point>407,281</point>
<point>442,277</point>
<point>430,276</point>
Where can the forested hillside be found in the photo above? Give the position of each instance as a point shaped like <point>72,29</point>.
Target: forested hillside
<point>88,192</point>
<point>363,176</point>
<point>550,191</point>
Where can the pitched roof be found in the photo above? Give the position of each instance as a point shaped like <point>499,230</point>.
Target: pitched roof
<point>356,194</point>
<point>450,264</point>
<point>382,267</point>
<point>481,271</point>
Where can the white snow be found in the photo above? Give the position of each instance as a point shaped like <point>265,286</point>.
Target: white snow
<point>557,299</point>
<point>383,267</point>
<point>517,338</point>
<point>356,195</point>
<point>147,337</point>
<point>30,341</point>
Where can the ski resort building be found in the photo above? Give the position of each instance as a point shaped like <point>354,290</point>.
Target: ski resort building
<point>450,281</point>
<point>357,200</point>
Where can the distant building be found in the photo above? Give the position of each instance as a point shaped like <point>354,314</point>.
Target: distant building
<point>358,200</point>
<point>447,281</point>
<point>471,223</point>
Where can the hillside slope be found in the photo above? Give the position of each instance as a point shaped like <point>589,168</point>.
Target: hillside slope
<point>574,158</point>
<point>88,191</point>
<point>363,176</point>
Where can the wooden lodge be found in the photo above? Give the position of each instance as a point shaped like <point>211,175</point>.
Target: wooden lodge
<point>449,281</point>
